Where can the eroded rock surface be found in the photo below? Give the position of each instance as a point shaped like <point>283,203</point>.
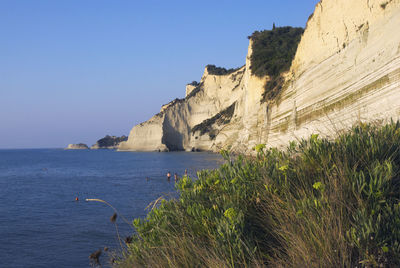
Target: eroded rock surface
<point>346,69</point>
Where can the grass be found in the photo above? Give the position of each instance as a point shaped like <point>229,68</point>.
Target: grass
<point>319,203</point>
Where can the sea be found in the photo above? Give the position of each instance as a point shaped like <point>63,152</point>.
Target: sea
<point>42,224</point>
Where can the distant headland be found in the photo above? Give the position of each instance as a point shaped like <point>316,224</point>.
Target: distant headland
<point>108,142</point>
<point>77,146</point>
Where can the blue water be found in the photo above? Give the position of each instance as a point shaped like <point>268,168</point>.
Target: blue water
<point>42,226</point>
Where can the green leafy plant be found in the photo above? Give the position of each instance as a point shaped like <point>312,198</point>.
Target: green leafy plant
<point>214,70</point>
<point>320,203</point>
<point>273,52</point>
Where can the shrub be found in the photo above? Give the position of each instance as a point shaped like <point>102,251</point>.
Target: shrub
<point>194,83</point>
<point>109,141</point>
<point>320,203</point>
<point>273,52</point>
<point>214,70</point>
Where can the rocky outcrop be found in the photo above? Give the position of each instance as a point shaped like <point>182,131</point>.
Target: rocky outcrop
<point>78,146</point>
<point>346,69</point>
<point>109,142</point>
<point>190,87</point>
<point>171,129</point>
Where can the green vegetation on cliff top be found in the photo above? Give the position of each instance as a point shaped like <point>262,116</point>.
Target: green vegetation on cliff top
<point>273,52</point>
<point>214,70</point>
<point>320,203</point>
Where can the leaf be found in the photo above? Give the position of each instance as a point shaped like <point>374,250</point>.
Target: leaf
<point>317,185</point>
<point>284,168</point>
<point>299,212</point>
<point>259,148</point>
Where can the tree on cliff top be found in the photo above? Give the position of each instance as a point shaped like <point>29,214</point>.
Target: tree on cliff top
<point>214,70</point>
<point>274,50</point>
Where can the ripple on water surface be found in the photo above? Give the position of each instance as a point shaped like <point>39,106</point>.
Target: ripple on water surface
<point>40,223</point>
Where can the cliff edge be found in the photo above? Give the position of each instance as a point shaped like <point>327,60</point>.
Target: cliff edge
<point>346,69</point>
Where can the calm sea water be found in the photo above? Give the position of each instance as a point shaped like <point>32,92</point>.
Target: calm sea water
<point>41,224</point>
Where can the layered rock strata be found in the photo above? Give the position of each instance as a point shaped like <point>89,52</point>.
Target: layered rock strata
<point>171,129</point>
<point>346,69</point>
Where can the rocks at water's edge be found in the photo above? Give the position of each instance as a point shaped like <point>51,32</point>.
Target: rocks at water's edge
<point>79,146</point>
<point>346,69</point>
<point>109,142</point>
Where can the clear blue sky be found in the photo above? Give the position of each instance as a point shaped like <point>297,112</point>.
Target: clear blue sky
<point>75,70</point>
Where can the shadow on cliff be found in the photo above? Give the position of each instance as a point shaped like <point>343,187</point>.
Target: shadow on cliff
<point>172,138</point>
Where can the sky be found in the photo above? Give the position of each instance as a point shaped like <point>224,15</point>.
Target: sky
<point>73,71</point>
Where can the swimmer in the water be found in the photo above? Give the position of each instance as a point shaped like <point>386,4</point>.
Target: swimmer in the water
<point>168,176</point>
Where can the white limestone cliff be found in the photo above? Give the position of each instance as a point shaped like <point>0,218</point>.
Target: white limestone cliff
<point>189,89</point>
<point>171,128</point>
<point>346,69</point>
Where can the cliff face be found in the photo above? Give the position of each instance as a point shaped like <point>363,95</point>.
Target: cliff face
<point>171,129</point>
<point>346,69</point>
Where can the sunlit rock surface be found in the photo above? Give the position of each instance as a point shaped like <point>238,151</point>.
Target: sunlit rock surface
<point>346,70</point>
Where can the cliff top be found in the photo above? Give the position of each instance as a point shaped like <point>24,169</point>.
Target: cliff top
<point>274,50</point>
<point>214,70</point>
